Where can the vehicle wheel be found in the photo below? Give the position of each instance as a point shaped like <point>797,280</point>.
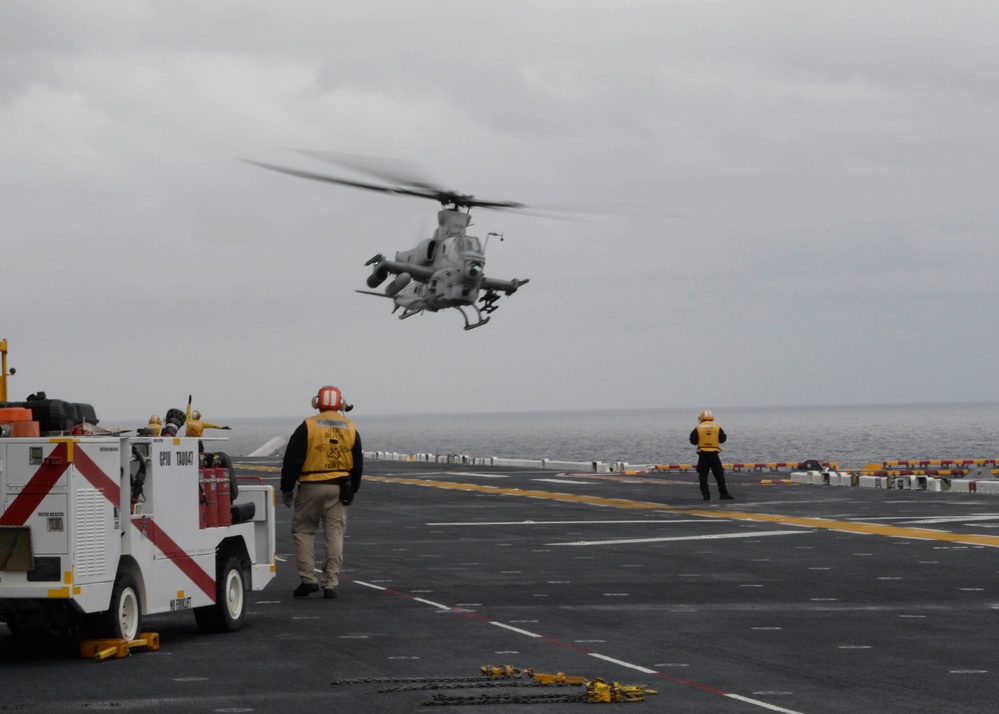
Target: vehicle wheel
<point>124,614</point>
<point>229,610</point>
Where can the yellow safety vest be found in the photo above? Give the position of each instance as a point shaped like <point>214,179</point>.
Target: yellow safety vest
<point>155,428</point>
<point>707,437</point>
<point>196,427</point>
<point>329,451</point>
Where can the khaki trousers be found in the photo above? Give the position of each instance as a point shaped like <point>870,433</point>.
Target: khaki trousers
<point>315,502</point>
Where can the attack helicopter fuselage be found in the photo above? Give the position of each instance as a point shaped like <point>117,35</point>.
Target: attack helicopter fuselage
<point>446,270</point>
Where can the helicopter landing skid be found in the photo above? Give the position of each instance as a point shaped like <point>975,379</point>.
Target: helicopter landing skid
<point>489,306</point>
<point>469,325</point>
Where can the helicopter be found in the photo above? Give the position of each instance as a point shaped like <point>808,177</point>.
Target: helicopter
<point>446,270</point>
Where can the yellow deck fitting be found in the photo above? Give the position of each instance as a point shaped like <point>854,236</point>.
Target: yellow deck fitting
<point>101,650</point>
<point>559,678</point>
<point>504,671</point>
<point>597,690</point>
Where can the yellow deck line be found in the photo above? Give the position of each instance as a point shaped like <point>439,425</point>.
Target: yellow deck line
<point>822,523</point>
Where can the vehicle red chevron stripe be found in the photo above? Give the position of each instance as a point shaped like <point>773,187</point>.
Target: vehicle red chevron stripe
<point>169,548</point>
<point>37,488</point>
<point>97,478</point>
<point>51,470</point>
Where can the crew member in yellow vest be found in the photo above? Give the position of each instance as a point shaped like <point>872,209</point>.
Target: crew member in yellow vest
<point>196,428</point>
<point>324,459</point>
<point>155,425</point>
<point>708,436</point>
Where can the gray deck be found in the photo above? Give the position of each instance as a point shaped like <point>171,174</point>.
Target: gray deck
<point>790,598</point>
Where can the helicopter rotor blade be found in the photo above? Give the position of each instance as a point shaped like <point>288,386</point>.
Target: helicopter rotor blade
<point>405,173</point>
<point>341,181</point>
<point>412,185</point>
<point>473,202</point>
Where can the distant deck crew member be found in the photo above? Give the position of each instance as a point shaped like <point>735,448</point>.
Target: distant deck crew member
<point>155,425</point>
<point>708,436</point>
<point>325,460</point>
<point>196,428</point>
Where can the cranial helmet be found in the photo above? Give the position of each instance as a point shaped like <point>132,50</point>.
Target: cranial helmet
<point>328,399</point>
<point>707,415</point>
<point>195,414</point>
<point>154,419</point>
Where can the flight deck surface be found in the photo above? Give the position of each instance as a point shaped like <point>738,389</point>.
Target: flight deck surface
<point>790,598</point>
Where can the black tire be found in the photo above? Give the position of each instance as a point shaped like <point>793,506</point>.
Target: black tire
<point>229,610</point>
<point>123,618</point>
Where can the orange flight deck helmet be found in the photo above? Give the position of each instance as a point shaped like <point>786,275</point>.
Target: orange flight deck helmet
<point>707,415</point>
<point>328,399</point>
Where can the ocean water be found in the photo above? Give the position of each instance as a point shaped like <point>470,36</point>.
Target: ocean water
<point>850,435</point>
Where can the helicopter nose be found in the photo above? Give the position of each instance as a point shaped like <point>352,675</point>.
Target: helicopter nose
<point>473,269</point>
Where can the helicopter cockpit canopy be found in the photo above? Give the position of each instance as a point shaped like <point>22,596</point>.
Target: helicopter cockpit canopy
<point>468,243</point>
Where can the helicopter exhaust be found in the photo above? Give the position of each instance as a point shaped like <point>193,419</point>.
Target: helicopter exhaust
<point>397,284</point>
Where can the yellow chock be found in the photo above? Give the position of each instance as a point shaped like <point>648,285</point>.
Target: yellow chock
<point>101,650</point>
<point>146,642</point>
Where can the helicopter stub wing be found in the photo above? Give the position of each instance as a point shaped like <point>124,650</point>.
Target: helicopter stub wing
<point>419,273</point>
<point>507,286</point>
<point>410,304</point>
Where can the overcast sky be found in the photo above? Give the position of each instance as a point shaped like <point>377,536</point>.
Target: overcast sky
<point>818,182</point>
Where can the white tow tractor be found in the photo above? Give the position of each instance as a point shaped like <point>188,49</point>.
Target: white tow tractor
<point>98,530</point>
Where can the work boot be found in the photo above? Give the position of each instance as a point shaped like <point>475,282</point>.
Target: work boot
<point>305,589</point>
<point>727,497</point>
<point>707,497</point>
<point>329,594</point>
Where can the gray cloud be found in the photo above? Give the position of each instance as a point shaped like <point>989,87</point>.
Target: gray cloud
<point>817,225</point>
